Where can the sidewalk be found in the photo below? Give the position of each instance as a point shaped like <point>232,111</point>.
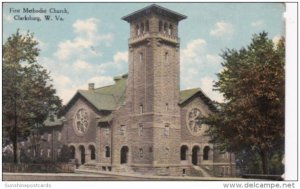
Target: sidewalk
<point>90,175</point>
<point>154,177</point>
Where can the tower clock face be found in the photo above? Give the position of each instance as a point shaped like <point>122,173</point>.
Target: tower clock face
<point>81,122</point>
<point>194,122</point>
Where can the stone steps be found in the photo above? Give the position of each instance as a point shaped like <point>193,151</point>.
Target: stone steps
<point>197,171</point>
<point>201,170</point>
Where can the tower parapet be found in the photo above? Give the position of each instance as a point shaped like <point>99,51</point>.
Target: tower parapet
<point>153,22</point>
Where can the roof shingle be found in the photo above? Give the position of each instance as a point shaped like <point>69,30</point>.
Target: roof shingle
<point>110,97</point>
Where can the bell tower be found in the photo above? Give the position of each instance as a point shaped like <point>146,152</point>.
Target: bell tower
<point>152,93</point>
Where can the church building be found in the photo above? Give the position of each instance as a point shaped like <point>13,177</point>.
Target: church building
<point>143,123</point>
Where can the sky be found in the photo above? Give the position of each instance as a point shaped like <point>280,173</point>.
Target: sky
<point>88,42</point>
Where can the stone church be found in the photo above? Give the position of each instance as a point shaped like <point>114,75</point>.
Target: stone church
<point>142,123</point>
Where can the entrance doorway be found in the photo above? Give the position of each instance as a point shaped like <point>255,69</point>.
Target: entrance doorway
<point>92,152</point>
<point>82,154</point>
<point>124,155</point>
<point>183,152</point>
<point>206,153</point>
<point>72,152</point>
<point>195,152</point>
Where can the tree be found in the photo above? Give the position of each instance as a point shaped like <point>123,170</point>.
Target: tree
<point>65,154</point>
<point>28,95</point>
<point>253,85</point>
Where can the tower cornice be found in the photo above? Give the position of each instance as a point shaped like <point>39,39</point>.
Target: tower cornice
<point>157,36</point>
<point>154,9</point>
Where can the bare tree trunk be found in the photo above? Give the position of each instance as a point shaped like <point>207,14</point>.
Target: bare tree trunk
<point>15,131</point>
<point>265,162</point>
<point>15,149</point>
<point>15,143</point>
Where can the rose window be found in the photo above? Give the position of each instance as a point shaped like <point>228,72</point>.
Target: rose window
<point>194,123</point>
<point>81,121</point>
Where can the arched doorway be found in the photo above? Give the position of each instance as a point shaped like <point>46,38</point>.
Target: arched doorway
<point>72,152</point>
<point>183,152</point>
<point>124,155</point>
<point>206,153</point>
<point>92,152</point>
<point>195,152</point>
<point>107,151</point>
<point>82,154</point>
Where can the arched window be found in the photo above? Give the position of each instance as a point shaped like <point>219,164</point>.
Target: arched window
<point>124,155</point>
<point>141,108</point>
<point>82,154</point>
<point>137,30</point>
<point>72,152</point>
<point>170,31</point>
<point>195,152</point>
<point>165,28</point>
<point>141,57</point>
<point>160,25</point>
<point>141,128</point>
<point>183,152</point>
<point>166,57</point>
<point>107,151</point>
<point>147,26</point>
<point>93,152</point>
<point>142,28</point>
<point>167,130</point>
<point>141,152</point>
<point>206,153</point>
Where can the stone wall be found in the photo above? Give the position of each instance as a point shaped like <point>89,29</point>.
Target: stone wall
<point>190,140</point>
<point>87,140</point>
<point>104,141</point>
<point>152,95</point>
<point>218,163</point>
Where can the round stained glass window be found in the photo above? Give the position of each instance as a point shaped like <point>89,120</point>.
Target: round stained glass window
<point>194,123</point>
<point>81,121</point>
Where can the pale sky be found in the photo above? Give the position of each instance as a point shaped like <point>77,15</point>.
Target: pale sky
<point>90,44</point>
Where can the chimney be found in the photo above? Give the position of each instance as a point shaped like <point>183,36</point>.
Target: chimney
<point>117,78</point>
<point>91,86</point>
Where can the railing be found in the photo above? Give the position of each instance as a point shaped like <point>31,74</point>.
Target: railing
<point>39,168</point>
<point>168,37</point>
<point>138,38</point>
<point>164,36</point>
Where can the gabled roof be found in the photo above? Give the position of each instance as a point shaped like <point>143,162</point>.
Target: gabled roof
<point>110,97</point>
<point>103,98</point>
<point>99,100</point>
<point>154,8</point>
<point>188,94</point>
